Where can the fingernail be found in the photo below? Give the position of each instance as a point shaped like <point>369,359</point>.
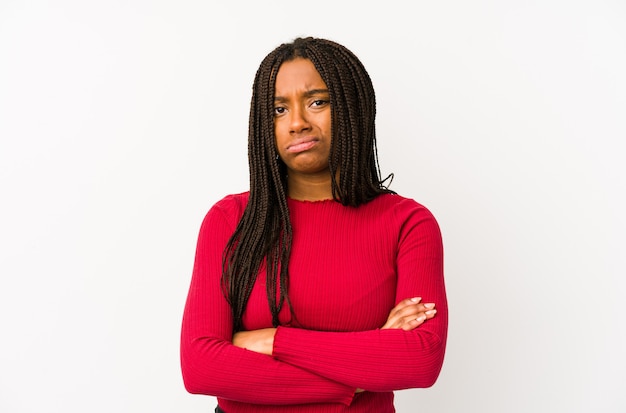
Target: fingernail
<point>416,299</point>
<point>430,312</point>
<point>420,318</point>
<point>429,305</point>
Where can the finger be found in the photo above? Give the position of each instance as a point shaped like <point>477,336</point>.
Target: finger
<point>420,317</point>
<point>404,307</point>
<point>427,309</point>
<point>401,316</point>
<point>413,300</point>
<point>406,303</point>
<point>414,310</point>
<point>412,322</point>
<point>408,310</point>
<point>407,307</point>
<point>430,314</point>
<point>409,301</point>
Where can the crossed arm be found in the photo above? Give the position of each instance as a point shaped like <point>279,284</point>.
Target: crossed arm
<point>289,365</point>
<point>407,315</point>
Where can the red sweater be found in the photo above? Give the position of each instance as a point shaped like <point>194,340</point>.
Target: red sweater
<point>349,267</point>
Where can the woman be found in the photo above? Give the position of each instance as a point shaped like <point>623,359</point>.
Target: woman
<point>316,290</point>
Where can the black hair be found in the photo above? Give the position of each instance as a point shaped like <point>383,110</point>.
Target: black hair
<point>264,231</point>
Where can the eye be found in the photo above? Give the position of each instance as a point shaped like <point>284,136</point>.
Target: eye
<point>319,102</point>
<point>279,110</point>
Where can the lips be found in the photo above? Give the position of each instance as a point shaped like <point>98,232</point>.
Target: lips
<point>301,145</point>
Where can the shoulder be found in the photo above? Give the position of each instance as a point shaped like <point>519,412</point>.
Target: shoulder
<point>233,203</point>
<point>230,209</point>
<point>415,224</point>
<point>408,215</point>
<point>401,207</point>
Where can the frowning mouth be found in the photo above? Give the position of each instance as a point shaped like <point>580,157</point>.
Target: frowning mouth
<point>301,145</point>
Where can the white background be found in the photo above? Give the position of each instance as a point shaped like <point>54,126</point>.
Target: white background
<point>122,122</point>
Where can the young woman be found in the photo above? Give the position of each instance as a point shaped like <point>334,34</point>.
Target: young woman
<point>319,290</point>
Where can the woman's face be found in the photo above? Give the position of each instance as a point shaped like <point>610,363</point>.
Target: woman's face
<point>302,125</point>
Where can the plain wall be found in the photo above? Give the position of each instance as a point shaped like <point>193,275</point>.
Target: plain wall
<point>122,122</point>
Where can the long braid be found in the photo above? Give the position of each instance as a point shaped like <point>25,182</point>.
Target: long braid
<point>264,233</point>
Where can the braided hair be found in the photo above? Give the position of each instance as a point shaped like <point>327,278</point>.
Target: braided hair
<point>264,233</point>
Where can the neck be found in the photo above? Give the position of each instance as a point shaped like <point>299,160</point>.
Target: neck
<point>309,187</point>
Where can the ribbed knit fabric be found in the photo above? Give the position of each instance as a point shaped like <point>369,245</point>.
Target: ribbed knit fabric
<point>349,267</point>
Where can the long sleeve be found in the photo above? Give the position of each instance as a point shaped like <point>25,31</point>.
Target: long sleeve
<point>383,360</point>
<point>210,363</point>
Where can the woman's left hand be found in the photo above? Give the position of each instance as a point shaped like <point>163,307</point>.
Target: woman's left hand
<point>259,341</point>
<point>410,314</point>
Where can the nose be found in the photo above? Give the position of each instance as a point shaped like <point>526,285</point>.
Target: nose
<point>298,121</point>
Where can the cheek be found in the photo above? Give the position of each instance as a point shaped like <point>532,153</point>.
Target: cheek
<point>279,128</point>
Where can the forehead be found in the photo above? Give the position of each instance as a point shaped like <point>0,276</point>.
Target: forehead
<point>298,74</point>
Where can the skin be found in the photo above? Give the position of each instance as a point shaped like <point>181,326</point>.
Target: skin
<point>302,128</point>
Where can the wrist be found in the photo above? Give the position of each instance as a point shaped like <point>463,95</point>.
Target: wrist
<point>269,341</point>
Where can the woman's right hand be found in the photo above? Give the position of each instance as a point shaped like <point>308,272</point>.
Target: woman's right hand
<point>409,314</point>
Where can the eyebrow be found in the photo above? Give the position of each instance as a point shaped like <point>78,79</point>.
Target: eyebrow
<point>307,94</point>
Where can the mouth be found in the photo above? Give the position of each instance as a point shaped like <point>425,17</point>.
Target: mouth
<point>301,145</point>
